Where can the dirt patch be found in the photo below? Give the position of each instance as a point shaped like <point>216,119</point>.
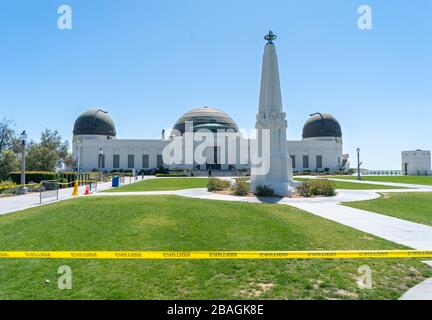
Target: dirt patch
<point>257,289</point>
<point>345,293</point>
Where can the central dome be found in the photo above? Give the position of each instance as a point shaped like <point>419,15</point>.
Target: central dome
<point>205,118</point>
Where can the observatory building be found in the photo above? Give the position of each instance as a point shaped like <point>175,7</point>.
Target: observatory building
<point>96,145</point>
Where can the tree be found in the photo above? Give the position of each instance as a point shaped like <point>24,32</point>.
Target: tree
<point>8,135</point>
<point>41,158</point>
<point>9,161</point>
<point>51,153</point>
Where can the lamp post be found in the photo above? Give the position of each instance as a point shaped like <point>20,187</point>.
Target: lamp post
<point>358,164</point>
<point>101,152</point>
<point>78,146</point>
<point>23,139</point>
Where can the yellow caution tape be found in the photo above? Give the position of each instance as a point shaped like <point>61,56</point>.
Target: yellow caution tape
<point>362,254</point>
<point>37,185</point>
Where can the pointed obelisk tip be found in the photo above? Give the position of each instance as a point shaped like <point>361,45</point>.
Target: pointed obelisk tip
<point>270,37</point>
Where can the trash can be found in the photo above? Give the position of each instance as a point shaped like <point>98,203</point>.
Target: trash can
<point>115,182</point>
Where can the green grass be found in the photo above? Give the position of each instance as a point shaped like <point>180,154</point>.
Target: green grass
<point>422,180</point>
<point>176,223</point>
<point>352,185</point>
<point>416,207</point>
<point>161,184</point>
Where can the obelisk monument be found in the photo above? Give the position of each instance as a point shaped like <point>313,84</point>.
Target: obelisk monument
<point>271,127</point>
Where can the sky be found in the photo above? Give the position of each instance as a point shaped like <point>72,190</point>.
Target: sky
<point>148,62</point>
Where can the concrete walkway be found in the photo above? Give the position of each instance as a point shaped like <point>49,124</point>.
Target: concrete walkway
<point>29,200</point>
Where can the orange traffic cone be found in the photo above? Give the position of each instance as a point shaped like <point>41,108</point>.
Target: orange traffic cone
<point>87,191</point>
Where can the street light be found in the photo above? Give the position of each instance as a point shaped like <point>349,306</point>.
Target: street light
<point>78,146</point>
<point>101,152</point>
<point>23,139</point>
<point>358,164</point>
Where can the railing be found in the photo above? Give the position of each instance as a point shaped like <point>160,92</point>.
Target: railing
<point>384,172</point>
<point>220,173</point>
<point>49,189</point>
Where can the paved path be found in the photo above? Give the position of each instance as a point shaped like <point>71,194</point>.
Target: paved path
<point>29,200</point>
<point>422,291</point>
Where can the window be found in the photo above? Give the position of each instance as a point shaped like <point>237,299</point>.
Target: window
<point>319,162</point>
<point>159,161</point>
<point>101,161</point>
<point>116,161</point>
<point>305,162</point>
<point>293,161</point>
<point>145,161</point>
<point>131,161</point>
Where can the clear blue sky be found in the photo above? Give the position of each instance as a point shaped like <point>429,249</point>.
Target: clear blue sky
<point>148,62</point>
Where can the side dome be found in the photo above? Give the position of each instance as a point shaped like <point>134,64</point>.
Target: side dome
<point>322,124</point>
<point>205,118</point>
<point>94,122</point>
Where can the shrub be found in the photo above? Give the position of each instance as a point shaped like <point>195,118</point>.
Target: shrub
<point>215,184</point>
<point>263,191</point>
<point>320,187</point>
<point>147,172</point>
<point>323,187</point>
<point>171,175</point>
<point>6,186</point>
<point>305,189</point>
<point>240,187</point>
<point>68,176</point>
<point>162,170</point>
<point>33,176</point>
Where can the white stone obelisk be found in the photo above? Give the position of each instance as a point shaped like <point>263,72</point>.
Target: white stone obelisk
<point>272,119</point>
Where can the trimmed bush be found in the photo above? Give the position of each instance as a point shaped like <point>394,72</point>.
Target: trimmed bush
<point>171,175</point>
<point>162,170</point>
<point>216,184</point>
<point>263,191</point>
<point>240,187</point>
<point>33,176</point>
<point>147,172</point>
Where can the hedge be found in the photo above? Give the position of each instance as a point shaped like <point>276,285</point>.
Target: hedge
<point>171,175</point>
<point>33,176</point>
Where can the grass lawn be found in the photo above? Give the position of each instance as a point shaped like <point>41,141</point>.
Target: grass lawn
<point>176,223</point>
<point>352,185</point>
<point>415,207</point>
<point>425,180</point>
<point>161,184</point>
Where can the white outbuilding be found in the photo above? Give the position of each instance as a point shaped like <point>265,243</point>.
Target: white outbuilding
<point>416,162</point>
